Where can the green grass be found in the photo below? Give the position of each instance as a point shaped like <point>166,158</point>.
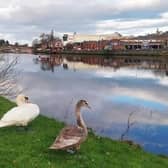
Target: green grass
<point>29,149</point>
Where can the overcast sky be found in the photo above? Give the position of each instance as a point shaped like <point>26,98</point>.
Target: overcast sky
<point>23,20</point>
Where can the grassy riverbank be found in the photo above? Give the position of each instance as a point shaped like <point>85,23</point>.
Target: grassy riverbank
<point>29,149</point>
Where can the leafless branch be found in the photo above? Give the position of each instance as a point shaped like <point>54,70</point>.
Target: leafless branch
<point>8,77</point>
<point>129,125</point>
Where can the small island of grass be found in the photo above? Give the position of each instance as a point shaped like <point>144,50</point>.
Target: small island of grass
<point>29,149</point>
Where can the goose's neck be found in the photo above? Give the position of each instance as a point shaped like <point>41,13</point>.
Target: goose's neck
<point>80,121</point>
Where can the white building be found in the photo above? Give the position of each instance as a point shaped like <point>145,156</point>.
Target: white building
<point>78,38</point>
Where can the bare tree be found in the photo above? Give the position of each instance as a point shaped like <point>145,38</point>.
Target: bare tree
<point>8,77</point>
<point>129,125</point>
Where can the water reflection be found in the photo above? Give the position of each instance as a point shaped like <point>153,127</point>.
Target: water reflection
<point>113,86</point>
<point>159,66</point>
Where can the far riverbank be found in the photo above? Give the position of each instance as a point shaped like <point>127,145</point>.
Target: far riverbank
<point>111,53</point>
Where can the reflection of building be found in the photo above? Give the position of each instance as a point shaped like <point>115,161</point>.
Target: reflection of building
<point>158,65</point>
<point>167,73</point>
<point>117,62</point>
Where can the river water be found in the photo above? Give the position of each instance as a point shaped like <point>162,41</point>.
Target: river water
<point>116,89</point>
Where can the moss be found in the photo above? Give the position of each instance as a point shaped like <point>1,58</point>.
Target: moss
<point>29,149</point>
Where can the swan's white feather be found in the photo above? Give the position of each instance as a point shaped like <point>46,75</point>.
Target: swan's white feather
<point>20,116</point>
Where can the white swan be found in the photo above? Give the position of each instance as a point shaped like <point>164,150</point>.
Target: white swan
<point>21,115</point>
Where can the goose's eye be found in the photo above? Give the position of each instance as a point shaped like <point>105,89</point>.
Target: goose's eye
<point>86,103</point>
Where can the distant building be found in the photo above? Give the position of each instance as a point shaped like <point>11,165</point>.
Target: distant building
<point>143,44</point>
<point>48,42</point>
<point>115,44</point>
<point>78,38</point>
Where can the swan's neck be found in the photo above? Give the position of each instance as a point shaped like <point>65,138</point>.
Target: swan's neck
<point>80,121</point>
<point>19,102</point>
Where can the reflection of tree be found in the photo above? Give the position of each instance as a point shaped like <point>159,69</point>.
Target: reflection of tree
<point>8,77</point>
<point>65,66</point>
<point>45,66</point>
<point>48,63</point>
<point>35,60</point>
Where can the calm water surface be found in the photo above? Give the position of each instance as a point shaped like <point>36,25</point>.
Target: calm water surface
<point>114,88</point>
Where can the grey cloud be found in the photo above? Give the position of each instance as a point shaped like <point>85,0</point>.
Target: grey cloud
<point>33,17</point>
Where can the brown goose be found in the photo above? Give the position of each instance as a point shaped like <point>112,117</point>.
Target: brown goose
<point>71,137</point>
